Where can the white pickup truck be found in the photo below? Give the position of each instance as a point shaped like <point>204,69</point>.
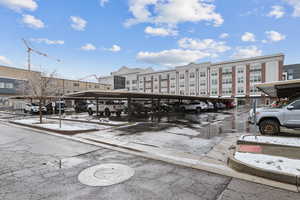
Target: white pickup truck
<point>270,120</point>
<point>194,106</point>
<point>106,108</point>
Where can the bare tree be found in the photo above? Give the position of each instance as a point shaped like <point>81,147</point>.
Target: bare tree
<point>40,86</point>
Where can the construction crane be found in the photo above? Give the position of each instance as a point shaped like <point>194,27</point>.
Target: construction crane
<point>29,50</point>
<point>92,75</point>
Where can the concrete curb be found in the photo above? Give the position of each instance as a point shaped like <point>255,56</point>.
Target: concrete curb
<point>239,141</point>
<point>55,131</point>
<point>204,165</point>
<point>269,174</point>
<point>83,121</point>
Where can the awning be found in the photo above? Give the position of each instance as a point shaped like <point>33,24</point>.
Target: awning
<point>281,89</point>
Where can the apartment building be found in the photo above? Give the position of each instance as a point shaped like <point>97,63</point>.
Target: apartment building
<point>131,78</point>
<point>291,72</point>
<point>235,78</point>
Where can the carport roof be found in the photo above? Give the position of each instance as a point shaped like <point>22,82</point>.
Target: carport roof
<point>126,94</point>
<point>281,89</point>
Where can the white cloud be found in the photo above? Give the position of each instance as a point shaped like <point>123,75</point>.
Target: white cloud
<point>5,60</point>
<point>248,37</point>
<point>103,2</point>
<point>296,5</point>
<point>172,12</point>
<point>247,52</point>
<point>160,31</point>
<point>224,35</point>
<point>47,41</point>
<point>277,12</point>
<point>171,57</point>
<point>115,48</point>
<point>88,47</point>
<point>78,23</point>
<point>18,5</point>
<point>209,46</point>
<point>273,36</point>
<point>32,22</point>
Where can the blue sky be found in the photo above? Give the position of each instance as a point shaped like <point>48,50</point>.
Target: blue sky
<point>99,36</point>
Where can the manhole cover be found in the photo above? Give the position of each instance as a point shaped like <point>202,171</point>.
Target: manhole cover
<point>105,174</point>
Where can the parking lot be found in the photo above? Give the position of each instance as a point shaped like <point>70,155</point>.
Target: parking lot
<point>30,167</point>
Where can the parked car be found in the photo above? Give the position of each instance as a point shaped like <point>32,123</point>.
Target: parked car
<point>220,105</point>
<point>81,106</point>
<point>33,108</point>
<point>210,106</point>
<point>138,108</point>
<point>197,106</point>
<point>106,107</point>
<point>270,120</point>
<point>54,107</point>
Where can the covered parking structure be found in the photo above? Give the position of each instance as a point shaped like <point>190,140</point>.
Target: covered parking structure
<point>137,96</point>
<point>281,89</point>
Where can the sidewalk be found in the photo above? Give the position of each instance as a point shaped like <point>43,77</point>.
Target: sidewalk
<point>275,158</point>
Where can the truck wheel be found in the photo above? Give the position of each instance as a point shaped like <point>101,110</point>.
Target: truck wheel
<point>90,111</point>
<point>107,112</point>
<point>269,127</point>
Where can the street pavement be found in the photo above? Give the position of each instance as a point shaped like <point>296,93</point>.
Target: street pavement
<point>37,166</point>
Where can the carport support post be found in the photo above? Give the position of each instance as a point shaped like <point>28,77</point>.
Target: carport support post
<point>254,112</point>
<point>59,107</point>
<point>97,107</point>
<point>40,110</point>
<point>129,108</point>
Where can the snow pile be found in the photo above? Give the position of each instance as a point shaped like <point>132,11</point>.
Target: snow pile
<point>289,141</point>
<point>267,162</point>
<point>66,126</point>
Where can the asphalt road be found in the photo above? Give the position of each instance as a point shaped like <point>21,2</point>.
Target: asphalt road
<point>37,166</point>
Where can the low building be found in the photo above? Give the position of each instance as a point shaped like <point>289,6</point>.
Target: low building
<point>14,81</point>
<point>291,72</point>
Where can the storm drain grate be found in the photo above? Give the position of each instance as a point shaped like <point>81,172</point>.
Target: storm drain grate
<point>105,174</point>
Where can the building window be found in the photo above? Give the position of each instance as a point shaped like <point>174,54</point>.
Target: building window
<point>240,90</point>
<point>134,81</point>
<point>240,71</point>
<point>172,77</point>
<point>192,75</point>
<point>181,76</point>
<point>127,82</point>
<point>1,85</point>
<point>76,84</point>
<point>202,74</point>
<point>240,80</point>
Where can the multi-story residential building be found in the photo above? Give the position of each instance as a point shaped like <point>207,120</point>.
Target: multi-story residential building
<point>131,78</point>
<point>291,72</point>
<point>235,78</point>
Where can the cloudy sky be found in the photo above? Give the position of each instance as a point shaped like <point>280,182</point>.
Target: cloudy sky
<point>99,36</point>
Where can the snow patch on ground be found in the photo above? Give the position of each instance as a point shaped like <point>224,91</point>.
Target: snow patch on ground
<point>66,126</point>
<point>289,141</point>
<point>88,118</point>
<point>275,163</point>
